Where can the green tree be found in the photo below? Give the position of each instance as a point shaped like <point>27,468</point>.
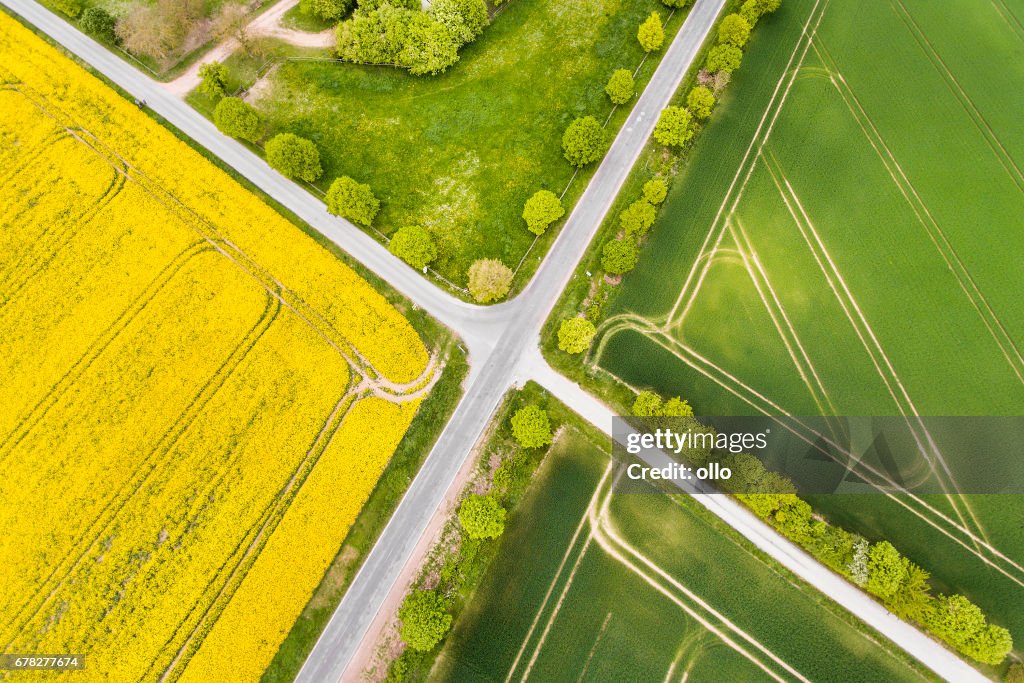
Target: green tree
<point>583,141</point>
<point>673,127</point>
<point>651,34</point>
<point>725,58</point>
<point>294,157</point>
<point>638,218</point>
<point>575,335</point>
<point>700,102</point>
<point>677,407</point>
<point>328,10</point>
<point>233,116</point>
<point>887,570</point>
<point>489,280</point>
<point>655,191</point>
<point>913,600</point>
<point>352,200</point>
<point>72,8</point>
<point>464,19</point>
<point>482,517</point>
<point>676,4</point>
<point>619,256</point>
<point>99,22</point>
<point>647,404</point>
<point>541,210</point>
<point>531,427</point>
<point>749,11</point>
<point>620,88</point>
<point>414,245</point>
<point>734,30</point>
<point>962,624</point>
<point>425,620</point>
<point>767,6</point>
<point>213,79</point>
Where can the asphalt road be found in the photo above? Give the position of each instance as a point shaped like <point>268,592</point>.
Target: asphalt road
<point>502,341</point>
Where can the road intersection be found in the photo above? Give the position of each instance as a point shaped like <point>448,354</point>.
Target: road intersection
<point>502,340</point>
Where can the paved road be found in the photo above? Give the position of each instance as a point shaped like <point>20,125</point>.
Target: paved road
<point>502,342</point>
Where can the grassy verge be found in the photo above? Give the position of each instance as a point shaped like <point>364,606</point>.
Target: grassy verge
<point>296,19</point>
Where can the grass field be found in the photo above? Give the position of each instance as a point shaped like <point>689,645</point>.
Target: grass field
<point>461,152</point>
<point>845,239</point>
<point>193,390</point>
<point>590,585</point>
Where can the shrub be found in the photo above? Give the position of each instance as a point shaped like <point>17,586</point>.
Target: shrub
<point>677,407</point>
<point>887,570</point>
<point>725,58</point>
<point>213,79</point>
<point>583,141</point>
<point>464,19</point>
<point>1015,674</point>
<point>328,10</point>
<point>638,218</point>
<point>734,30</point>
<point>482,517</point>
<point>767,6</point>
<point>294,157</point>
<point>619,256</point>
<point>676,4</point>
<point>541,210</point>
<point>352,200</point>
<point>531,427</point>
<point>99,22</point>
<point>620,88</point>
<point>962,624</point>
<point>414,245</point>
<point>700,102</point>
<point>391,34</point>
<point>72,8</point>
<point>750,12</point>
<point>651,33</point>
<point>673,127</point>
<point>655,190</point>
<point>234,117</point>
<point>647,404</point>
<point>575,335</point>
<point>489,280</point>
<point>425,620</point>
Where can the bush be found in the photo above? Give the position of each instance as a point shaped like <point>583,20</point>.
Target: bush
<point>647,404</point>
<point>414,245</point>
<point>72,8</point>
<point>638,218</point>
<point>328,10</point>
<point>725,58</point>
<point>767,6</point>
<point>700,101</point>
<point>583,141</point>
<point>962,624</point>
<point>482,517</point>
<point>619,256</point>
<point>531,427</point>
<point>673,127</point>
<point>99,22</point>
<point>734,30</point>
<point>620,88</point>
<point>489,280</point>
<point>464,19</point>
<point>677,407</point>
<point>541,210</point>
<point>655,190</point>
<point>234,117</point>
<point>213,79</point>
<point>1015,674</point>
<point>676,4</point>
<point>352,200</point>
<point>750,12</point>
<point>575,335</point>
<point>294,157</point>
<point>651,33</point>
<point>425,620</point>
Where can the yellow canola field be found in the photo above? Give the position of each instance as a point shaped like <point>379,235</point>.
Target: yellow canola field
<point>189,421</point>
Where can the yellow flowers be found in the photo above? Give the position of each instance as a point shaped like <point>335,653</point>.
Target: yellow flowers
<point>190,417</point>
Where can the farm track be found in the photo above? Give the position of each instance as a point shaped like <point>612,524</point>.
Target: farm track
<point>149,466</point>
